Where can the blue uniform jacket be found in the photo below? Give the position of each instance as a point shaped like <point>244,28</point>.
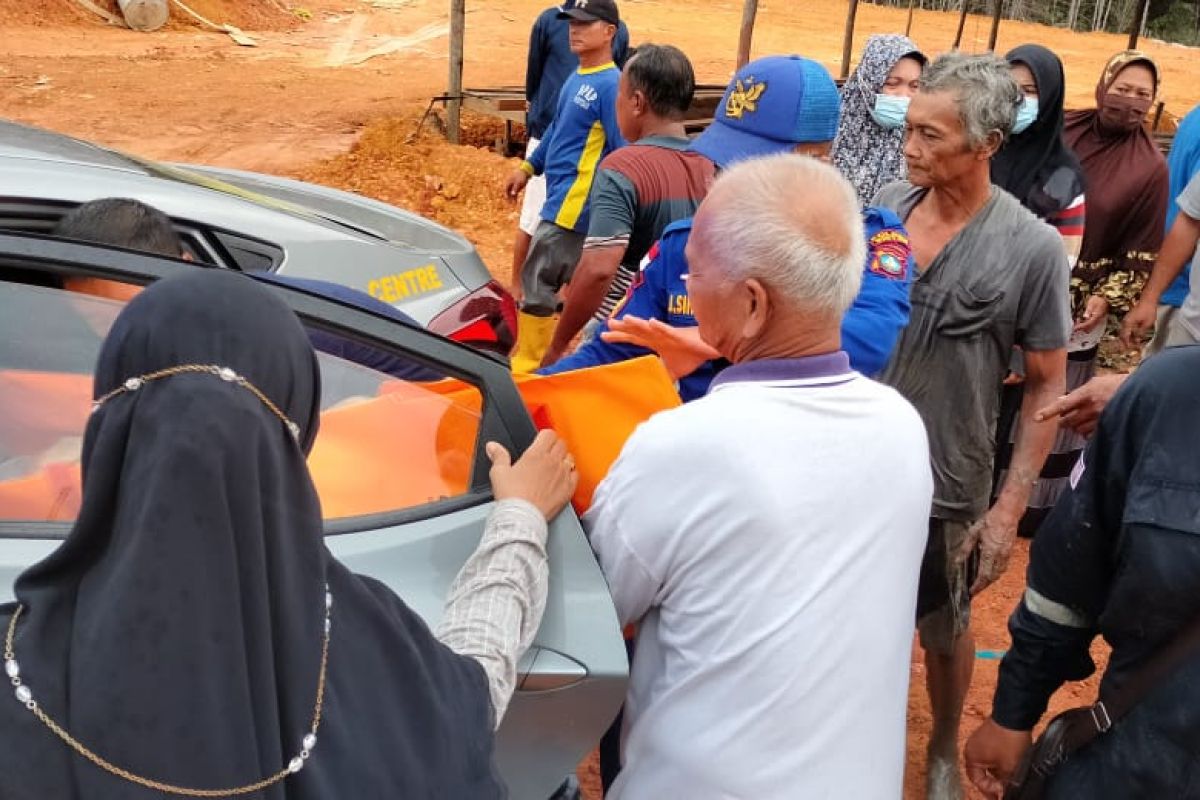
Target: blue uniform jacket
<point>870,328</point>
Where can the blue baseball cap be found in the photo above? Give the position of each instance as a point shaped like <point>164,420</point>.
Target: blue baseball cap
<point>772,104</point>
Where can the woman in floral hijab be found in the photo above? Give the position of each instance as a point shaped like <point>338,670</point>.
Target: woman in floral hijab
<point>869,148</point>
<point>1127,184</point>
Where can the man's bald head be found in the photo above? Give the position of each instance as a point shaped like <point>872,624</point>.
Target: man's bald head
<point>792,223</point>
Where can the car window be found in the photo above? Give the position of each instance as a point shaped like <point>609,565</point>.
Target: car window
<point>395,435</point>
<point>202,244</point>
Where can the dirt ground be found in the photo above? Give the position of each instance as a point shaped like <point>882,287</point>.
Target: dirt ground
<point>334,91</point>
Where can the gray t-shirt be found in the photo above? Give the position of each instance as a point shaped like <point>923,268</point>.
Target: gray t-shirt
<point>1189,312</point>
<point>1002,281</point>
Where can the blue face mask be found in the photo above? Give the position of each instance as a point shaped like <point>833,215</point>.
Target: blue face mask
<point>1026,115</point>
<point>889,111</point>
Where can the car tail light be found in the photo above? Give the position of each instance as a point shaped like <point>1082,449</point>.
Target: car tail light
<point>485,319</point>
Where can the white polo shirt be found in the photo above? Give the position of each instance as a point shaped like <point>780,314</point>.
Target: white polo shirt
<point>767,540</point>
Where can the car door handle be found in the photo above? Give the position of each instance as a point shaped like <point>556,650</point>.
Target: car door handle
<point>551,670</point>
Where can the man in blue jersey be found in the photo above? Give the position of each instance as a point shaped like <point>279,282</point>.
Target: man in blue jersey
<point>550,63</point>
<point>773,105</point>
<point>584,130</point>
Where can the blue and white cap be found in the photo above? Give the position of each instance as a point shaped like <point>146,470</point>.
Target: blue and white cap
<point>772,104</point>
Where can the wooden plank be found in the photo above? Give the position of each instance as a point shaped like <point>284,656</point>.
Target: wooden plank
<point>488,108</point>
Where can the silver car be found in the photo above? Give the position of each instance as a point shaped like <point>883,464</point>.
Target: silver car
<point>252,222</point>
<point>399,465</point>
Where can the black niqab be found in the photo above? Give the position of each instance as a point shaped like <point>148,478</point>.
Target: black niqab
<point>178,629</point>
<point>1036,166</point>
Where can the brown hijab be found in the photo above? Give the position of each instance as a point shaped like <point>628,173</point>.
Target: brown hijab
<point>1126,177</point>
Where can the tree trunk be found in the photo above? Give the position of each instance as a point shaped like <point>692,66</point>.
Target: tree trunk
<point>749,12</point>
<point>458,17</point>
<point>1073,14</point>
<point>144,15</point>
<point>848,38</point>
<point>911,3</point>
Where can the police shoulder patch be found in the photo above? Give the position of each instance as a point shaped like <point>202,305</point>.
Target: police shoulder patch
<point>889,253</point>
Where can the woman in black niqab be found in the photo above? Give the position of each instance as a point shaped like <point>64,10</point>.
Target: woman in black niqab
<point>178,630</point>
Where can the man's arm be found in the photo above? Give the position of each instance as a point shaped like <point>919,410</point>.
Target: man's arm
<point>647,299</point>
<point>622,526</point>
<point>1042,323</point>
<point>495,605</point>
<point>1070,570</point>
<point>873,323</point>
<point>1081,409</point>
<point>1045,381</point>
<point>589,286</point>
<point>1177,252</point>
<point>531,167</point>
<point>613,206</point>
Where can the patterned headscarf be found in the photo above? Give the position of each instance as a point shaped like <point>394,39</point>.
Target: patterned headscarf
<point>1118,63</point>
<point>869,156</point>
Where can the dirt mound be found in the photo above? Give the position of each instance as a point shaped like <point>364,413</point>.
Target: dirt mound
<point>459,186</point>
<point>257,15</point>
<point>47,12</point>
<point>251,15</point>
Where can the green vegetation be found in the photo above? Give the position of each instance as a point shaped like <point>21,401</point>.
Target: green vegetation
<point>1169,20</point>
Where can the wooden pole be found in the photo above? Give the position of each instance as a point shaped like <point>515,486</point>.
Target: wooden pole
<point>749,12</point>
<point>458,17</point>
<point>1135,29</point>
<point>848,38</point>
<point>997,13</point>
<point>962,24</point>
<point>144,15</point>
<point>908,24</point>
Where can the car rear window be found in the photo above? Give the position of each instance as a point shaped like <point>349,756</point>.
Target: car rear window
<point>395,435</point>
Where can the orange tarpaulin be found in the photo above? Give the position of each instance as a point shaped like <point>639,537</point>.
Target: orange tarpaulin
<point>409,445</point>
<point>595,410</point>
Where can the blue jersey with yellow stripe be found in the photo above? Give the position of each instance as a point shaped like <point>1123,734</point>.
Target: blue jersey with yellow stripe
<point>870,328</point>
<point>583,132</point>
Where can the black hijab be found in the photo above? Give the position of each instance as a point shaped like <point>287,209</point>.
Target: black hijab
<point>1036,166</point>
<point>177,631</point>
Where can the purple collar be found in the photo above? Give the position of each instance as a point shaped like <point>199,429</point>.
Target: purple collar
<point>775,370</point>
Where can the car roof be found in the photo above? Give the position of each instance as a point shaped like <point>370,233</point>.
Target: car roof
<point>22,141</point>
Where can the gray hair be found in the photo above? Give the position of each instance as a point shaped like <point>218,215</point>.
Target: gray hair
<point>794,224</point>
<point>988,97</point>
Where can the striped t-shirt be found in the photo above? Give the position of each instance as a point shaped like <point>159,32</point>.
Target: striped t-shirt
<point>584,131</point>
<point>640,190</point>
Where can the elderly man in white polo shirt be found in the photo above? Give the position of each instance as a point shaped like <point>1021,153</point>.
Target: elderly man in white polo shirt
<point>767,538</point>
